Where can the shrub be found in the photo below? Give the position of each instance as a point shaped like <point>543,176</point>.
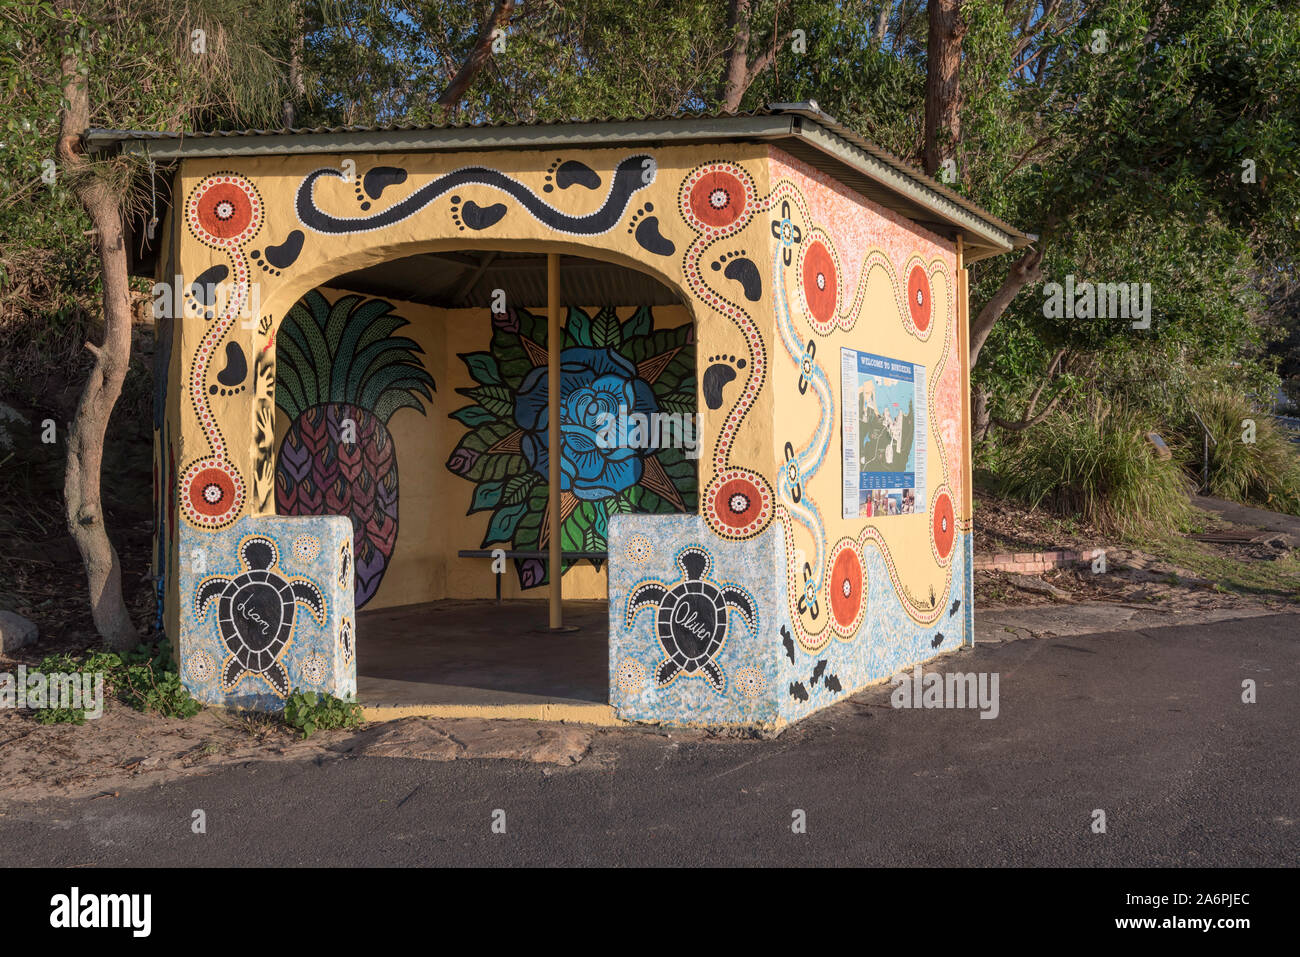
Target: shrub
<point>1098,468</point>
<point>1265,472</point>
<point>143,678</point>
<point>310,711</point>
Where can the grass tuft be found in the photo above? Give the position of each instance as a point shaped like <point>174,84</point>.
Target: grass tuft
<point>1099,468</point>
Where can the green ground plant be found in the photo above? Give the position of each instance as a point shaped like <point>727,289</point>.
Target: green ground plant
<point>1097,466</point>
<point>311,711</point>
<point>1251,460</point>
<point>144,678</point>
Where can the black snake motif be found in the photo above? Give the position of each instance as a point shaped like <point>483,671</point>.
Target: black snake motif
<point>630,177</point>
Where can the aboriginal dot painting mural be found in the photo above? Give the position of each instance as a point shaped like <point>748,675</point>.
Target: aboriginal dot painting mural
<point>869,594</point>
<point>629,434</point>
<point>845,597</point>
<point>740,589</point>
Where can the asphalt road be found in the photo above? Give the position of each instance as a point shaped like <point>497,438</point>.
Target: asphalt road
<point>1147,726</point>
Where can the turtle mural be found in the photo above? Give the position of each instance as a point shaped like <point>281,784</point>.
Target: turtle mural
<point>691,623</point>
<point>255,612</point>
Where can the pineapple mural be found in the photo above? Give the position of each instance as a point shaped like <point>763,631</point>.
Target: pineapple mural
<point>341,374</point>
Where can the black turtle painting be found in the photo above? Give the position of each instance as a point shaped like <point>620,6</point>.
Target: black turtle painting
<point>692,618</point>
<point>255,613</point>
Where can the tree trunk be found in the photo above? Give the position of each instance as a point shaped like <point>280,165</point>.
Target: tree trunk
<point>737,79</point>
<point>297,85</point>
<point>943,83</point>
<point>979,415</point>
<point>81,487</point>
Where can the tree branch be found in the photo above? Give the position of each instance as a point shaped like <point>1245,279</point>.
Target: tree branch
<point>1026,270</point>
<point>1024,424</point>
<point>478,55</point>
<point>882,21</point>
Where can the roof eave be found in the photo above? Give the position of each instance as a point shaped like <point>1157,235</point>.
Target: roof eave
<point>985,235</point>
<point>610,133</point>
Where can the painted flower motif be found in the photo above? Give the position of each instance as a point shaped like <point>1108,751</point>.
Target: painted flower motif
<point>306,547</point>
<point>596,386</point>
<point>750,681</point>
<point>201,667</point>
<point>631,676</point>
<point>609,365</point>
<point>639,549</point>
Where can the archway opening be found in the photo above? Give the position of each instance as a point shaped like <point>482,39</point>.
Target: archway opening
<point>412,397</point>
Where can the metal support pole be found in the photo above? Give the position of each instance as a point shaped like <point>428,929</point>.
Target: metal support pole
<point>553,346</point>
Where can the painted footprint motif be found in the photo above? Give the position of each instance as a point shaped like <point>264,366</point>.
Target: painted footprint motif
<point>716,376</point>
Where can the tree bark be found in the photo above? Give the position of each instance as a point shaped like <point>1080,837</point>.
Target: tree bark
<point>737,79</point>
<point>741,72</point>
<point>979,415</point>
<point>943,83</point>
<point>81,487</point>
<point>478,56</point>
<point>882,21</point>
<point>1027,269</point>
<point>297,85</point>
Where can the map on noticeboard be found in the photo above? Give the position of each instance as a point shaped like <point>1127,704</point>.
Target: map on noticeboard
<point>884,433</point>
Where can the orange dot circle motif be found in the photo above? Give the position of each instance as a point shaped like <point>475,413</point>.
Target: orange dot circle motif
<point>918,298</point>
<point>846,587</point>
<point>944,525</point>
<point>819,281</point>
<point>718,198</point>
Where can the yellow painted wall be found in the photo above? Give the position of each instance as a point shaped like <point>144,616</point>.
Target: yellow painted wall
<point>218,428</point>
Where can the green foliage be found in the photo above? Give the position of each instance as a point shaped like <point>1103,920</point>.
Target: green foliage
<point>137,60</point>
<point>1097,466</point>
<point>311,711</point>
<point>1127,161</point>
<point>143,678</point>
<point>1251,459</point>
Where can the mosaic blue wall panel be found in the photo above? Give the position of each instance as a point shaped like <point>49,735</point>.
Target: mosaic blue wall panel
<point>267,610</point>
<point>887,642</point>
<point>693,633</point>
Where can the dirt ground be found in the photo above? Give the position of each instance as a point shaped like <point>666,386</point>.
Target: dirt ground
<point>1176,571</point>
<point>125,748</point>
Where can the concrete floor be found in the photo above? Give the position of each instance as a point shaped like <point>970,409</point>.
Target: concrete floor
<point>478,657</point>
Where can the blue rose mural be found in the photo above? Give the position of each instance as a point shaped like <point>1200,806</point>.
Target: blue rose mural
<point>596,385</point>
<point>610,370</point>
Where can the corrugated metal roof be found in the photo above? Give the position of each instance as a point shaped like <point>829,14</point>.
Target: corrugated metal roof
<point>99,136</point>
<point>799,128</point>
